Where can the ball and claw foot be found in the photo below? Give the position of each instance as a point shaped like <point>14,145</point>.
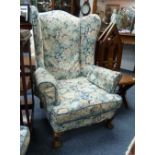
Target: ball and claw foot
<point>57,143</point>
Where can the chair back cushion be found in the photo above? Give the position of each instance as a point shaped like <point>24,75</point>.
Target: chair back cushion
<point>61,40</point>
<point>60,34</point>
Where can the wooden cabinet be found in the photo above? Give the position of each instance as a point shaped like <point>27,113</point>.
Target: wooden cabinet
<point>26,78</point>
<point>109,49</point>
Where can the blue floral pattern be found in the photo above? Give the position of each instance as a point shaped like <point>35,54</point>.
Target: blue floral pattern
<point>90,26</point>
<point>81,122</point>
<point>74,92</point>
<point>102,77</point>
<point>24,139</point>
<point>39,54</point>
<point>80,99</point>
<point>47,86</point>
<point>57,40</point>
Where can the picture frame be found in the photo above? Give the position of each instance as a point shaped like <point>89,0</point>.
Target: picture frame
<point>24,12</point>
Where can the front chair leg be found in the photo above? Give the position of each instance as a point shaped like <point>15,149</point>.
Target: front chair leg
<point>109,124</point>
<point>57,143</point>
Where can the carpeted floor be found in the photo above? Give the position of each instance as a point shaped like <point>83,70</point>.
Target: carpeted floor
<point>91,140</point>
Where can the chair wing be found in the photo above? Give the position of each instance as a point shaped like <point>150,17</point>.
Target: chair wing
<point>90,26</point>
<point>38,40</point>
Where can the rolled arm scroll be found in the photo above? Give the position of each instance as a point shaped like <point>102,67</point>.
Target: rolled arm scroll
<point>46,86</point>
<point>102,77</point>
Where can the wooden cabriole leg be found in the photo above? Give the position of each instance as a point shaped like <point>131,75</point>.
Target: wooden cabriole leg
<point>109,124</point>
<point>122,92</point>
<point>57,143</point>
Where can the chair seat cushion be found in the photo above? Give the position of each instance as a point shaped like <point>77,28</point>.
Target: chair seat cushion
<point>78,98</point>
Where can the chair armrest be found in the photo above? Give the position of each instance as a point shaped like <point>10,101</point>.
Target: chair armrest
<point>46,85</point>
<point>24,139</point>
<point>102,77</point>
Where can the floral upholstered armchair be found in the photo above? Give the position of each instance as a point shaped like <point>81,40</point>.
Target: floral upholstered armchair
<point>74,92</point>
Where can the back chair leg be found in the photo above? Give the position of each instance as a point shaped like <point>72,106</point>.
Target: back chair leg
<point>109,124</point>
<point>57,143</point>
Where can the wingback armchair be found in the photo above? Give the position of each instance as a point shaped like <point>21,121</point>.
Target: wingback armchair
<point>74,92</point>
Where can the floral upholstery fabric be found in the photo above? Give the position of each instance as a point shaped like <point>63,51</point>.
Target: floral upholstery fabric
<point>90,26</point>
<point>38,40</point>
<point>80,99</point>
<point>47,86</point>
<point>60,40</point>
<point>64,43</point>
<point>24,139</point>
<point>92,119</point>
<point>43,76</point>
<point>102,77</point>
<point>64,47</point>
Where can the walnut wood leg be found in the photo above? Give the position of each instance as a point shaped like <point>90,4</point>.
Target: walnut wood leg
<point>125,101</point>
<point>123,94</point>
<point>109,124</point>
<point>57,143</point>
